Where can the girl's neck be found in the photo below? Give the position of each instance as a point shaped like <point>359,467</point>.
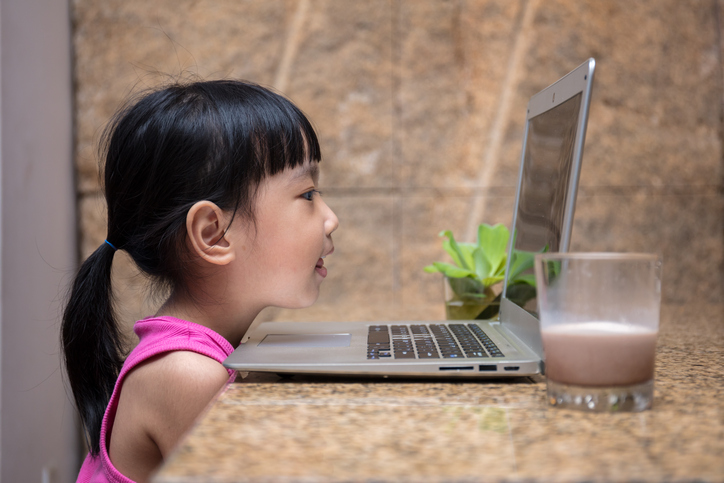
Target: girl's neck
<point>229,322</point>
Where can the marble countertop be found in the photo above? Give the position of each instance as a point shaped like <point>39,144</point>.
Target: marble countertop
<point>263,428</point>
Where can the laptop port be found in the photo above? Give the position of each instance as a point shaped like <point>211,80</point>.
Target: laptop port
<point>512,368</point>
<point>487,367</point>
<point>456,368</point>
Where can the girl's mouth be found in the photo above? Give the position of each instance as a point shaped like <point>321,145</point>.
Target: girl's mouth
<point>319,268</point>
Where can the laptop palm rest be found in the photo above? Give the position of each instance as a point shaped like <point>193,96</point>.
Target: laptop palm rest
<point>306,340</point>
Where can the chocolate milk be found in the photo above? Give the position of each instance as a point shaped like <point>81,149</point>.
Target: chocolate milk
<point>599,354</point>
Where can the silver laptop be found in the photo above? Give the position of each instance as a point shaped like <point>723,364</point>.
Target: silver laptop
<point>553,141</point>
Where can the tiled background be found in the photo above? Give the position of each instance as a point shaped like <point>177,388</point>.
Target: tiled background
<point>419,105</point>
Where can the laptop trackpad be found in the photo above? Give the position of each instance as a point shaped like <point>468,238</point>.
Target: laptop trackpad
<point>306,340</point>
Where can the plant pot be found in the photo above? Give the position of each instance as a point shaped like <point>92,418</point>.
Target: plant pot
<point>466,299</point>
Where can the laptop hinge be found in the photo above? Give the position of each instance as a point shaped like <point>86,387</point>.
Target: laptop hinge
<point>523,325</point>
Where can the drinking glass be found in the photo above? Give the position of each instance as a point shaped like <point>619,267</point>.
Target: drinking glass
<point>599,315</point>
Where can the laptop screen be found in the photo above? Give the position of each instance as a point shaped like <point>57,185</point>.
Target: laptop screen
<point>544,183</point>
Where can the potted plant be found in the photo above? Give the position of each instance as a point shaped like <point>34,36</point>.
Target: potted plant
<point>473,283</point>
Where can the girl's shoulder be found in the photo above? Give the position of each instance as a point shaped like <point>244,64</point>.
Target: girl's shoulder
<point>179,369</point>
<point>173,389</point>
<point>176,386</point>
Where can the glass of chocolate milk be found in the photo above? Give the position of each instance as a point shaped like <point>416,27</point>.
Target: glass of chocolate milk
<point>599,315</point>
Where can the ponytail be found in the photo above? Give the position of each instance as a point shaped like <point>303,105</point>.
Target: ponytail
<point>92,342</point>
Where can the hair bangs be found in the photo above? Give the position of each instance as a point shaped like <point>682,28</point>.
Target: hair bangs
<point>283,138</point>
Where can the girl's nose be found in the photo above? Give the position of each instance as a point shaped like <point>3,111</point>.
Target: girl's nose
<point>331,222</point>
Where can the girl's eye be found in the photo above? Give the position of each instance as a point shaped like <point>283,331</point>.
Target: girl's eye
<point>309,195</point>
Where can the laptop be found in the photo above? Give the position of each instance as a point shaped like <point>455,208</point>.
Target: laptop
<point>511,346</point>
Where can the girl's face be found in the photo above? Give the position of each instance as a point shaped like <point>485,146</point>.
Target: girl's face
<point>284,250</point>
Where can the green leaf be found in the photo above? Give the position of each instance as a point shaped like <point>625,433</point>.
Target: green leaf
<point>467,250</point>
<point>488,281</point>
<point>476,295</point>
<point>520,293</point>
<point>528,278</point>
<point>456,253</point>
<point>521,262</point>
<point>431,269</point>
<point>452,271</point>
<point>494,241</point>
<point>553,267</point>
<point>466,288</point>
<point>482,265</point>
<point>450,251</point>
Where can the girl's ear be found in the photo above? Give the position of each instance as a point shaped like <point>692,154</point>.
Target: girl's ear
<point>206,225</point>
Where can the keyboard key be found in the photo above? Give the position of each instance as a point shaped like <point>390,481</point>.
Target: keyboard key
<point>428,355</point>
<point>375,337</point>
<point>405,354</point>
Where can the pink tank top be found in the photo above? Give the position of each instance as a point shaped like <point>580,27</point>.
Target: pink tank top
<point>157,335</point>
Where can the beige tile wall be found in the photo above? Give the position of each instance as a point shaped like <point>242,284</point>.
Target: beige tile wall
<point>419,106</point>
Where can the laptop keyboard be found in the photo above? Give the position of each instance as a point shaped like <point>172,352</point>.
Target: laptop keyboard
<point>434,341</point>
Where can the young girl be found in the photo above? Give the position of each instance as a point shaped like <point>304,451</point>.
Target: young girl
<point>211,189</point>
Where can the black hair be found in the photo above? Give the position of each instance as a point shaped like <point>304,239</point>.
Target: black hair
<point>173,147</point>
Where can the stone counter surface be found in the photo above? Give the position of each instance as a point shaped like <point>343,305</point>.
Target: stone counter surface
<point>263,428</point>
